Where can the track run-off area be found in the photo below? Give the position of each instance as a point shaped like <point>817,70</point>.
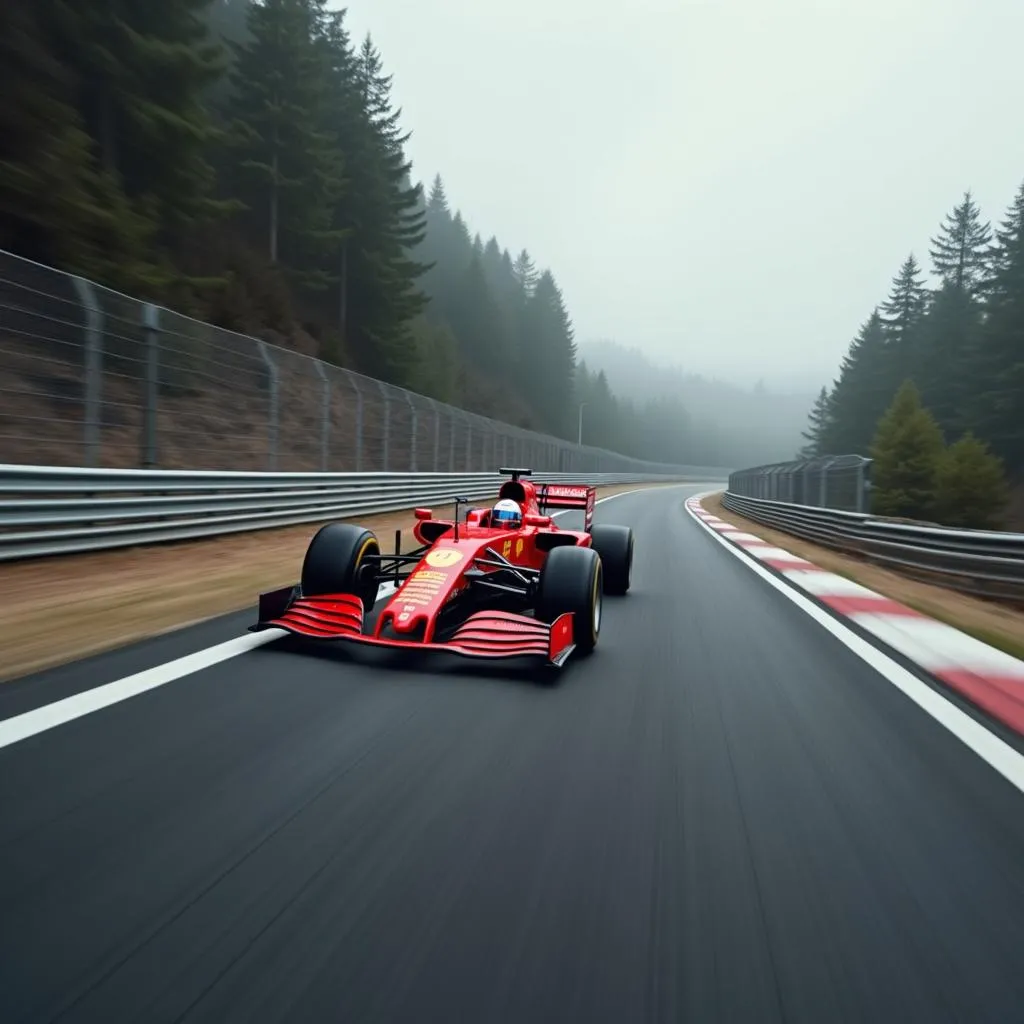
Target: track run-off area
<point>732,811</point>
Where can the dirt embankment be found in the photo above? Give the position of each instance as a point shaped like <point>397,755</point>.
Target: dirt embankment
<point>59,609</point>
<point>991,623</point>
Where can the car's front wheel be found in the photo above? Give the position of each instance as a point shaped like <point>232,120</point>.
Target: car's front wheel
<point>571,581</point>
<point>336,562</point>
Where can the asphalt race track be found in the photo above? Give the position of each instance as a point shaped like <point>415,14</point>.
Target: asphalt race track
<point>723,815</point>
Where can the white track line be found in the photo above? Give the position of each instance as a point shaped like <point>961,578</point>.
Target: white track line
<point>989,747</point>
<point>13,730</point>
<point>49,716</point>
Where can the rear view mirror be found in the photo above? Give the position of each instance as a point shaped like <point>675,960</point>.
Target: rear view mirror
<point>423,513</point>
<point>531,520</point>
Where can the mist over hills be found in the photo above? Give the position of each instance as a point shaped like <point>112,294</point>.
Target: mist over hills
<point>746,425</point>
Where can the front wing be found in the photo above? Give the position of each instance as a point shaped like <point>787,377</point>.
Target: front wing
<point>489,635</point>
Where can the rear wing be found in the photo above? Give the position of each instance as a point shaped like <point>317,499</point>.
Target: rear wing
<point>569,496</point>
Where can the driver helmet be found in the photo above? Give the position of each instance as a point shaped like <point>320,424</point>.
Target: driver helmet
<point>507,515</point>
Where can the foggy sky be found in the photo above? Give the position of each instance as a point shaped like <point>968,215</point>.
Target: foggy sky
<point>729,185</point>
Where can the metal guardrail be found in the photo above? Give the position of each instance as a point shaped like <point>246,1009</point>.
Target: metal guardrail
<point>92,377</point>
<point>47,510</point>
<point>831,481</point>
<point>979,562</point>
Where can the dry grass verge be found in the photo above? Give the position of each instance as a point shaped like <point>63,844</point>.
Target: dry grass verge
<point>991,623</point>
<point>60,609</point>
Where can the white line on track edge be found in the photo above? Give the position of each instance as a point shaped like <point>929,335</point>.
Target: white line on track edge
<point>989,747</point>
<point>20,727</point>
<point>49,716</point>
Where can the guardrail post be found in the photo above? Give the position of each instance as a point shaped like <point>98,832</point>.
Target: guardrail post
<point>273,421</point>
<point>412,432</point>
<point>151,331</point>
<point>93,331</point>
<point>325,416</point>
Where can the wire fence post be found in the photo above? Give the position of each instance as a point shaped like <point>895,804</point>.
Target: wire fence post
<point>151,332</point>
<point>93,330</point>
<point>273,412</point>
<point>862,487</point>
<point>823,487</point>
<point>413,429</point>
<point>325,416</point>
<point>383,388</point>
<point>469,443</point>
<point>358,391</point>
<point>437,432</point>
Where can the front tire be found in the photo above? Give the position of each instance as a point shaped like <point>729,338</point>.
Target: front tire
<point>571,581</point>
<point>336,563</point>
<point>615,546</point>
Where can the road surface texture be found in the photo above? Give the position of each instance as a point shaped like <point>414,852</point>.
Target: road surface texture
<point>723,815</point>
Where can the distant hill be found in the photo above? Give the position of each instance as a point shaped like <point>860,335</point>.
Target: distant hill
<point>755,425</point>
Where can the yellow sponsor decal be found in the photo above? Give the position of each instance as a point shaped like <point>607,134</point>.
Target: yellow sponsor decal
<point>519,547</point>
<point>506,549</point>
<point>429,574</point>
<point>443,557</point>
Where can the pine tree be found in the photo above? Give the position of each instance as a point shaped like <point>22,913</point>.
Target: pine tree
<point>819,423</point>
<point>142,71</point>
<point>906,451</point>
<point>971,489</point>
<point>477,322</point>
<point>526,273</point>
<point>960,249</point>
<point>861,393</point>
<point>387,216</point>
<point>949,335</point>
<point>996,367</point>
<point>56,205</point>
<point>902,314</point>
<point>548,354</point>
<point>288,168</point>
<point>438,200</point>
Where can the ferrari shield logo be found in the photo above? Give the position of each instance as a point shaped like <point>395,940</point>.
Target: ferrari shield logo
<point>443,557</point>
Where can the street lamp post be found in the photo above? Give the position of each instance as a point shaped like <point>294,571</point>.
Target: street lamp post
<point>579,431</point>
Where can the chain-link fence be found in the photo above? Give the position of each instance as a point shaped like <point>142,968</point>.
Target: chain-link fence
<point>840,482</point>
<point>91,377</point>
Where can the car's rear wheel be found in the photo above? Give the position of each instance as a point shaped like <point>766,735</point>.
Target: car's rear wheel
<point>615,546</point>
<point>571,581</point>
<point>336,563</point>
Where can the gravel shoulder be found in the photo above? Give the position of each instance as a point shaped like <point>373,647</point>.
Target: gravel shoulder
<point>994,624</point>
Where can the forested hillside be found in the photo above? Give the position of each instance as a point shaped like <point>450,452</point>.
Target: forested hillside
<point>726,425</point>
<point>244,162</point>
<point>960,342</point>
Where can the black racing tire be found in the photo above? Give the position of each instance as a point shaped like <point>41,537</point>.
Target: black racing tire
<point>615,546</point>
<point>571,581</point>
<point>336,563</point>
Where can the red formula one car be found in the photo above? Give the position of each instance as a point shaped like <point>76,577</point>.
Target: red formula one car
<point>468,588</point>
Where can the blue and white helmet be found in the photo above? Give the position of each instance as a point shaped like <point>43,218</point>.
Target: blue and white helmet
<point>507,515</point>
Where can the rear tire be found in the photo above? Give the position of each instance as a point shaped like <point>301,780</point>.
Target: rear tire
<point>571,582</point>
<point>336,563</point>
<point>615,546</point>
